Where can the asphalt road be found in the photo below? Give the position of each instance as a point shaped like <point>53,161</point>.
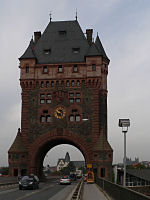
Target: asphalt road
<point>50,190</point>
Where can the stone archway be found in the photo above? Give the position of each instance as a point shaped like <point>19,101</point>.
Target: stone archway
<point>43,144</point>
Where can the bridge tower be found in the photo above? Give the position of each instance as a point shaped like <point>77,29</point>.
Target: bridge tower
<point>63,77</point>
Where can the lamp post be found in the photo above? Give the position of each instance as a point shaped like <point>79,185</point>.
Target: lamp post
<point>124,123</point>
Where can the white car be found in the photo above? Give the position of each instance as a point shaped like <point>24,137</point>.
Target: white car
<point>65,180</point>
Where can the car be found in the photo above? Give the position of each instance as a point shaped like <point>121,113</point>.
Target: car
<point>65,180</point>
<point>29,182</point>
<point>73,177</point>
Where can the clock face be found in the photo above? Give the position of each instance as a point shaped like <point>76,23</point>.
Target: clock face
<point>60,112</point>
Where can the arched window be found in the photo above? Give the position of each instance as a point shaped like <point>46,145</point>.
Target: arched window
<point>71,118</point>
<point>42,119</point>
<point>78,118</point>
<point>52,83</point>
<point>47,84</point>
<point>67,83</point>
<point>57,83</point>
<point>48,118</point>
<point>72,83</point>
<point>42,84</point>
<point>78,83</point>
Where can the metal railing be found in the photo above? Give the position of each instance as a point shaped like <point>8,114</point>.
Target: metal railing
<point>117,192</point>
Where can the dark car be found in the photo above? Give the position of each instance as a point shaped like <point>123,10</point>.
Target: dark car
<point>29,182</point>
<point>73,177</point>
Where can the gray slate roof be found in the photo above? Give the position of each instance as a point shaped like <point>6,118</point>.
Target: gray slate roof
<point>61,46</point>
<point>78,164</point>
<point>140,173</point>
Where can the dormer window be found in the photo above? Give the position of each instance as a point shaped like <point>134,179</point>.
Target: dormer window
<point>63,33</point>
<point>75,50</point>
<point>47,51</point>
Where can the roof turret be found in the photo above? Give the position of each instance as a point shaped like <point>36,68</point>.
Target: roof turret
<point>29,51</point>
<point>100,48</point>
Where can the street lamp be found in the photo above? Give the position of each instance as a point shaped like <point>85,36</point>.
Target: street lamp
<point>124,123</point>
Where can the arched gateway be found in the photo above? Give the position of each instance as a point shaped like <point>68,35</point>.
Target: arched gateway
<point>63,76</point>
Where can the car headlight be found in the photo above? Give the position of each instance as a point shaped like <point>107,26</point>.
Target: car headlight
<point>31,183</point>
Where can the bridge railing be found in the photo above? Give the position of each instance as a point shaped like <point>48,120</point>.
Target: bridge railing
<point>118,192</point>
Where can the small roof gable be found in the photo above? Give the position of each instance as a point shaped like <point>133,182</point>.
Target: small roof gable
<point>100,48</point>
<point>29,51</point>
<point>60,159</point>
<point>18,145</point>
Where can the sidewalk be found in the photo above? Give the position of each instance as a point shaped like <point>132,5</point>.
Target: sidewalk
<point>92,192</point>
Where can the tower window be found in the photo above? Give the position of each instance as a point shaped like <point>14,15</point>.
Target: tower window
<point>71,100</point>
<point>52,84</point>
<point>93,67</point>
<point>75,68</point>
<point>78,100</point>
<point>77,118</point>
<point>60,69</point>
<point>71,94</point>
<point>48,118</point>
<point>77,94</point>
<point>78,83</point>
<point>47,84</point>
<point>45,69</point>
<point>48,101</point>
<point>75,50</point>
<point>47,51</point>
<point>42,119</point>
<point>74,110</point>
<point>71,118</point>
<point>45,111</point>
<point>42,101</point>
<point>67,83</point>
<point>42,95</point>
<point>72,83</point>
<point>27,69</point>
<point>42,84</point>
<point>62,33</point>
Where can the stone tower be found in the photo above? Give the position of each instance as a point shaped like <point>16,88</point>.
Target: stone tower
<point>63,77</point>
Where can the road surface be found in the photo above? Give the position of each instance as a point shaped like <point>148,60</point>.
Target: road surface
<point>48,191</point>
<point>92,192</point>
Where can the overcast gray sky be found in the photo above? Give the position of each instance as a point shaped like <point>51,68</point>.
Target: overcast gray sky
<point>124,29</point>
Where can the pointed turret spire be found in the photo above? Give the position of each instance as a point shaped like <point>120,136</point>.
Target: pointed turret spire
<point>29,51</point>
<point>100,47</point>
<point>67,157</point>
<point>76,14</point>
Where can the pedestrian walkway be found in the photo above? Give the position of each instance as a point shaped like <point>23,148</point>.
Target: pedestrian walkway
<point>92,192</point>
